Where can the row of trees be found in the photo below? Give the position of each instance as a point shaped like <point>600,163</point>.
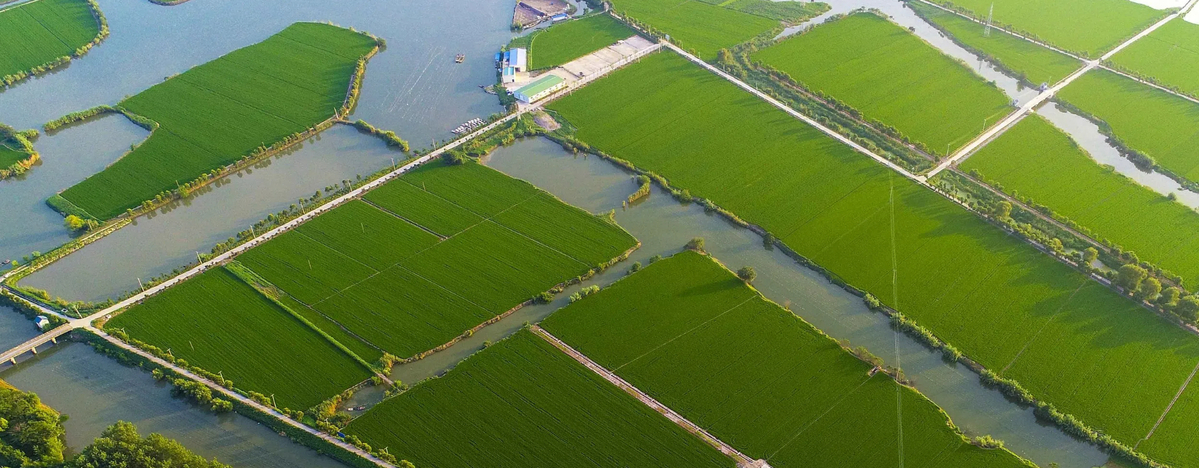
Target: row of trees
<point>32,435</point>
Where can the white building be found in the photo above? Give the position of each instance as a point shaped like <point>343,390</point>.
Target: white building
<point>541,88</point>
<point>519,59</point>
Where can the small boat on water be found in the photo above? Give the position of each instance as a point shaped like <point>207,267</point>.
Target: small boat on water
<point>460,58</point>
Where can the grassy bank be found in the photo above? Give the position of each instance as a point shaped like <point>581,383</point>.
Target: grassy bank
<point>892,77</point>
<point>1031,62</point>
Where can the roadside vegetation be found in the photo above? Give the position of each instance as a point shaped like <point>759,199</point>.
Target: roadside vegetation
<point>1042,165</point>
<point>523,403</point>
<point>241,105</point>
<point>1086,27</point>
<point>219,323</point>
<point>32,435</point>
<point>892,77</point>
<point>1031,63</point>
<point>564,42</point>
<point>701,341</point>
<point>42,35</point>
<point>1048,334</point>
<point>1151,127</point>
<point>703,27</point>
<point>1168,57</point>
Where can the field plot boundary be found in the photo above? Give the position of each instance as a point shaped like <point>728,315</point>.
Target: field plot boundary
<point>1169,407</point>
<point>728,450</point>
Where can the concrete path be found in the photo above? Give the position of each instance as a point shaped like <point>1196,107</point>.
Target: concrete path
<point>728,450</point>
<point>1027,108</point>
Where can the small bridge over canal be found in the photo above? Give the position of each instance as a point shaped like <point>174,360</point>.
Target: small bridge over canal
<point>31,346</point>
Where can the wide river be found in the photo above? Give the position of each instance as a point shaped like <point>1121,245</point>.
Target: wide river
<point>415,89</point>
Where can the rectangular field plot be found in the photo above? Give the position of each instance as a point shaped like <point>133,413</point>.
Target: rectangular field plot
<point>1086,27</point>
<point>697,339</point>
<point>988,293</point>
<point>523,403</point>
<point>1169,55</point>
<point>1037,64</point>
<point>565,42</point>
<point>1152,122</point>
<point>221,111</point>
<point>892,76</point>
<point>39,32</point>
<point>699,26</point>
<point>1037,160</point>
<point>221,324</point>
<point>372,274</point>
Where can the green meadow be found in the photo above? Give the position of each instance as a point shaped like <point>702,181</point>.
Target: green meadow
<point>1153,122</point>
<point>37,33</point>
<point>523,403</point>
<point>696,25</point>
<point>1037,64</point>
<point>891,76</point>
<point>1034,159</point>
<point>374,271</point>
<point>1069,340</point>
<point>564,42</point>
<point>1169,55</point>
<point>221,111</point>
<point>1086,27</point>
<point>221,324</point>
<point>697,339</point>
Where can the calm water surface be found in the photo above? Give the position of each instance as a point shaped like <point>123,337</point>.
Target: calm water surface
<point>157,244</point>
<point>96,392</point>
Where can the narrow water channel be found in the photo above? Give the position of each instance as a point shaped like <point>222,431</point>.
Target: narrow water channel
<point>69,156</point>
<point>172,236</point>
<point>1087,135</point>
<point>95,392</point>
<point>663,225</point>
<point>1081,130</point>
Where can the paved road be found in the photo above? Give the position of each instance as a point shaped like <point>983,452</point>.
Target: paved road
<point>240,398</point>
<point>1024,110</point>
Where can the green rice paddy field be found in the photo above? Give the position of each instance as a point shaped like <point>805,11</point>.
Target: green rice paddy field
<point>1087,27</point>
<point>1170,55</point>
<point>1153,122</point>
<point>1038,64</point>
<point>375,282</point>
<point>36,33</point>
<point>562,43</point>
<point>892,76</point>
<point>367,271</point>
<point>1070,341</point>
<point>1035,159</point>
<point>221,324</point>
<point>692,335</point>
<point>695,24</point>
<point>219,112</point>
<point>523,403</point>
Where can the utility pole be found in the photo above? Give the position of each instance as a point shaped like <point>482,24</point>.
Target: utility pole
<point>140,285</point>
<point>990,16</point>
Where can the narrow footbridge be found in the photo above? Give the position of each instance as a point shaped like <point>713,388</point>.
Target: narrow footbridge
<point>30,346</point>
